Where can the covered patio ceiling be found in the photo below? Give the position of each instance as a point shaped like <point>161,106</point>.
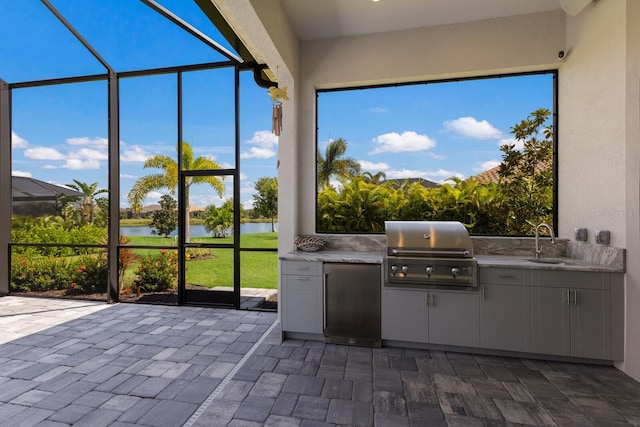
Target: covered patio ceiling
<point>314,20</point>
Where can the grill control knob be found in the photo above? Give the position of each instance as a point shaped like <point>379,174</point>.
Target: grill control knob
<point>455,271</point>
<point>394,269</point>
<point>405,269</point>
<point>429,271</point>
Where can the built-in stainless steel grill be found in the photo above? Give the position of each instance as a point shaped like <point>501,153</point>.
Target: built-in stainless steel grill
<point>429,253</point>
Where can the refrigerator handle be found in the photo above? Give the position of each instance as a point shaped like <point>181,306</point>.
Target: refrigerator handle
<point>324,302</point>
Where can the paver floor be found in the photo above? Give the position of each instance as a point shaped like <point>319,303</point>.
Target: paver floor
<point>82,363</point>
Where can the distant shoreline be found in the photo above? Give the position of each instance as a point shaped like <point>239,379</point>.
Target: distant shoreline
<point>141,222</point>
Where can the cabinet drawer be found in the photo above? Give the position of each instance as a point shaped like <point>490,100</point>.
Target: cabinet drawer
<point>302,268</point>
<point>573,279</point>
<point>501,276</point>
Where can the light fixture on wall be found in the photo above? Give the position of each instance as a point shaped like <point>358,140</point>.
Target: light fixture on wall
<point>573,7</point>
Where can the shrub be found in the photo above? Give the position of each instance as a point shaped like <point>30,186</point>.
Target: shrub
<point>91,275</point>
<point>55,230</point>
<point>192,254</point>
<point>157,273</point>
<point>39,274</point>
<point>84,274</point>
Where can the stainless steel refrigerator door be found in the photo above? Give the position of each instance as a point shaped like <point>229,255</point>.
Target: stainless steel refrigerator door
<point>352,309</point>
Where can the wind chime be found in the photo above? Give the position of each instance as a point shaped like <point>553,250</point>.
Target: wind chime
<point>277,96</point>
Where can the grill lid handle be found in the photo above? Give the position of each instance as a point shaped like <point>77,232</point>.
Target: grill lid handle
<point>409,252</point>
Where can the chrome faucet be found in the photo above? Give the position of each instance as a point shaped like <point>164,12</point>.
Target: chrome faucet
<point>553,239</point>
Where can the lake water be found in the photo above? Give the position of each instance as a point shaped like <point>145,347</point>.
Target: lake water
<point>197,230</point>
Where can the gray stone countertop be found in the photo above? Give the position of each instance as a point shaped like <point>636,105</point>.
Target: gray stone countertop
<point>556,263</point>
<point>376,257</point>
<point>370,257</point>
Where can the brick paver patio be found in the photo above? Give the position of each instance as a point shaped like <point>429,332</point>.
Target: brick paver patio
<point>92,364</point>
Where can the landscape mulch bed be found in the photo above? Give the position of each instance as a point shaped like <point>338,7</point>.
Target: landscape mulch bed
<point>163,298</point>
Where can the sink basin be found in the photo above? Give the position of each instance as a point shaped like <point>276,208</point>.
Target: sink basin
<point>551,260</point>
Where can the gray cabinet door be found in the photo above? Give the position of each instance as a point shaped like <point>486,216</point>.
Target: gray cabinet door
<point>505,317</point>
<point>302,304</point>
<point>551,321</point>
<point>404,315</point>
<point>591,323</point>
<point>454,318</point>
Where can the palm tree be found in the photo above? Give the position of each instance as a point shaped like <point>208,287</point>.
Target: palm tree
<point>169,178</point>
<point>372,178</point>
<point>332,164</point>
<point>90,192</point>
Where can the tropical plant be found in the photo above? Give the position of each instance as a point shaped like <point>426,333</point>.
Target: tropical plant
<point>83,274</point>
<point>372,178</point>
<point>54,230</point>
<point>157,273</point>
<point>334,164</point>
<point>218,220</point>
<point>165,220</point>
<point>265,202</point>
<point>126,257</point>
<point>91,276</point>
<point>101,217</point>
<point>168,178</point>
<point>90,191</point>
<point>526,175</point>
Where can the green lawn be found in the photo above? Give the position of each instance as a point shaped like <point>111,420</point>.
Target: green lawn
<point>257,269</point>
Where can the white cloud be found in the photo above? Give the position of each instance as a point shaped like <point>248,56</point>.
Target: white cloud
<point>243,176</point>
<point>485,166</point>
<point>408,141</point>
<point>21,173</point>
<point>265,145</point>
<point>472,128</point>
<point>84,140</point>
<point>442,175</point>
<point>378,110</point>
<point>128,176</point>
<point>519,144</point>
<point>134,154</point>
<point>263,138</point>
<point>153,198</point>
<point>17,141</point>
<point>43,153</point>
<point>89,154</point>
<point>49,167</point>
<point>80,164</point>
<point>258,153</point>
<point>371,166</point>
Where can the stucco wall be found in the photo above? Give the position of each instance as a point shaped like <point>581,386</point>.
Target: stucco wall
<point>522,43</point>
<point>591,149</point>
<point>632,350</point>
<point>599,134</point>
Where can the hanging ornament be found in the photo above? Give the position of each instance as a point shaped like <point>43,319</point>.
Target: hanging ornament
<point>277,94</point>
<point>276,119</point>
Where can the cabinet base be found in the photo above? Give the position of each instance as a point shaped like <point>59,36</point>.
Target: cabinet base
<point>494,352</point>
<point>359,342</point>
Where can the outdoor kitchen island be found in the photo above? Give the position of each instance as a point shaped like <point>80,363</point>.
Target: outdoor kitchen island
<point>566,309</point>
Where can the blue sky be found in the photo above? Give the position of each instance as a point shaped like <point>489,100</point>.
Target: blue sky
<point>60,132</point>
<point>431,131</point>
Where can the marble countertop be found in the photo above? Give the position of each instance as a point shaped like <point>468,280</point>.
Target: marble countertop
<point>376,257</point>
<point>336,256</point>
<point>556,263</point>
